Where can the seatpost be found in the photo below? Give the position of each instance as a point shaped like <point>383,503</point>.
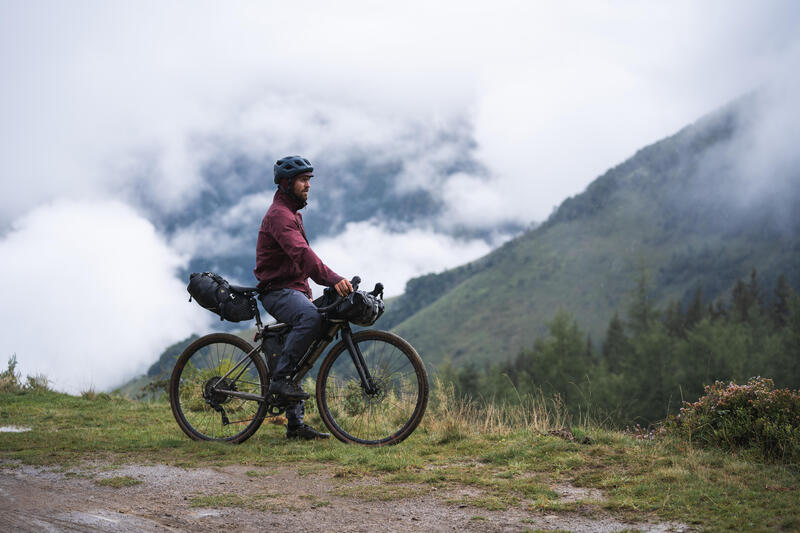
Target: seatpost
<point>259,325</point>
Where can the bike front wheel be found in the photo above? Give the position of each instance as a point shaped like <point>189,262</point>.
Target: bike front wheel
<point>392,410</point>
<point>203,389</point>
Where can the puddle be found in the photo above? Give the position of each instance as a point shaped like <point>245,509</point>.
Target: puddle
<point>207,512</point>
<point>106,521</point>
<point>13,429</point>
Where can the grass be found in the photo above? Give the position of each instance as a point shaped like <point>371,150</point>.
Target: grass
<point>118,482</point>
<point>486,459</point>
<point>383,493</point>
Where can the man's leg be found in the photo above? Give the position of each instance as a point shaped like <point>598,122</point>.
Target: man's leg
<point>295,414</point>
<point>296,429</point>
<point>294,308</point>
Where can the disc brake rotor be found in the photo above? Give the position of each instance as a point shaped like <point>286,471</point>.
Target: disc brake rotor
<point>376,397</point>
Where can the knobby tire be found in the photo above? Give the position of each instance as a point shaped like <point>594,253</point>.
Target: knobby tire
<point>382,418</point>
<point>198,370</point>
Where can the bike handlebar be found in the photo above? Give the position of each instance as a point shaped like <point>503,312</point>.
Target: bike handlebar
<point>355,282</point>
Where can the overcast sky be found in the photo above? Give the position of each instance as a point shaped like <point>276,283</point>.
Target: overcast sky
<point>99,99</point>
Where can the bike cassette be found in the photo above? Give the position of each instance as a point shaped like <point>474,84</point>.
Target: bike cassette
<point>213,390</point>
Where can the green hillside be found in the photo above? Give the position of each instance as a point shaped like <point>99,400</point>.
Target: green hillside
<point>673,212</point>
<point>670,212</point>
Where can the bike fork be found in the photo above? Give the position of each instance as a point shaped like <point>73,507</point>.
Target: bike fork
<point>358,361</point>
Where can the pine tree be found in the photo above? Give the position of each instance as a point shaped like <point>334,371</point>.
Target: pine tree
<point>780,306</point>
<point>674,320</point>
<point>616,346</point>
<point>792,342</point>
<point>642,313</point>
<point>741,302</point>
<point>755,291</point>
<point>697,310</point>
<point>747,300</point>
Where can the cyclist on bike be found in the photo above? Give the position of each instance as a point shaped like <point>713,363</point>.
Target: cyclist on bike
<point>284,262</point>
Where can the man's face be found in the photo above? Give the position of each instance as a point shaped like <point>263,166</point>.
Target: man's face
<point>302,184</point>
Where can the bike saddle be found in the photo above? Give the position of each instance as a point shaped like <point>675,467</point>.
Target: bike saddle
<point>247,291</point>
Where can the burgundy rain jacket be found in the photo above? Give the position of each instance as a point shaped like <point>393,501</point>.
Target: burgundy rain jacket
<point>284,260</point>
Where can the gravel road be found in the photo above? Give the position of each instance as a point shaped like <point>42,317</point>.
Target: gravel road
<point>157,498</point>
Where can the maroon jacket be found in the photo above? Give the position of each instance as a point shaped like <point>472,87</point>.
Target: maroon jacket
<point>284,260</point>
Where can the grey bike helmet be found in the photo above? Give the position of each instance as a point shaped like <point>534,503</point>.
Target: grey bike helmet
<point>290,167</point>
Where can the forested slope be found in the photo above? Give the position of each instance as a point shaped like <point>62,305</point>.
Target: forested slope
<point>674,212</point>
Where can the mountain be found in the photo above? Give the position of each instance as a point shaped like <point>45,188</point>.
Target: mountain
<point>393,185</point>
<point>688,211</point>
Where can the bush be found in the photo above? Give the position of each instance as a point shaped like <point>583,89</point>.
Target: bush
<point>753,416</point>
<point>11,382</point>
<point>9,378</point>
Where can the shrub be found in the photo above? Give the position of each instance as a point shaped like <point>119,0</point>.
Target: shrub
<point>752,416</point>
<point>11,382</point>
<point>9,378</point>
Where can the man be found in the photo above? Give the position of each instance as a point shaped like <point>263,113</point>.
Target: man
<point>284,262</point>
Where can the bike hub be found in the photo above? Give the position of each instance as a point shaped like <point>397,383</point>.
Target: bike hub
<point>213,390</point>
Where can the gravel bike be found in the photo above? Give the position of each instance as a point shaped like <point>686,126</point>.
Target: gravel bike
<point>371,389</point>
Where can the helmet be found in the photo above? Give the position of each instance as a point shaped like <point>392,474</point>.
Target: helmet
<point>291,166</point>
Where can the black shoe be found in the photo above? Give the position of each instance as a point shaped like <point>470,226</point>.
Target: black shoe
<point>288,389</point>
<point>305,432</point>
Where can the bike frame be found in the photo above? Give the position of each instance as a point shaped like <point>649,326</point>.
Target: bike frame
<point>306,363</point>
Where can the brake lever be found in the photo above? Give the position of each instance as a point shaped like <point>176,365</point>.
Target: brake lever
<point>378,290</point>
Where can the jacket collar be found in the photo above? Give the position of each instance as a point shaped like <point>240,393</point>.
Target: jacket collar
<point>288,200</point>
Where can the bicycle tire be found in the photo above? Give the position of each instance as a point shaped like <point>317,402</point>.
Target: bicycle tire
<point>197,409</point>
<point>386,417</point>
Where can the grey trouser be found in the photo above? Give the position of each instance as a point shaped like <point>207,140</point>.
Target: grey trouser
<point>294,308</point>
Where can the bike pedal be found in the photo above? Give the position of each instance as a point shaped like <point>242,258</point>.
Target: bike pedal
<point>279,401</point>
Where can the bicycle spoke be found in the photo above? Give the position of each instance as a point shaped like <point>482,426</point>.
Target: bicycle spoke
<point>209,368</point>
<point>390,411</point>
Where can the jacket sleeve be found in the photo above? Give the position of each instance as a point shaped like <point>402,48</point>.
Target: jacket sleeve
<point>285,231</point>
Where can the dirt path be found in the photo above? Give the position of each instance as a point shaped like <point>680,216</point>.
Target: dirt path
<point>163,498</point>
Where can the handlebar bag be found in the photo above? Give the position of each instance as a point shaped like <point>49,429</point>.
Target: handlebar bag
<point>360,308</point>
<point>212,292</point>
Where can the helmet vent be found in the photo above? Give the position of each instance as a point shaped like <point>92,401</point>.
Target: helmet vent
<point>291,166</point>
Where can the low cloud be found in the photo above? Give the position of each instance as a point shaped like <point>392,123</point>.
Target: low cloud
<point>376,253</point>
<point>108,98</point>
<point>765,155</point>
<point>91,295</point>
<point>753,175</point>
<point>180,109</point>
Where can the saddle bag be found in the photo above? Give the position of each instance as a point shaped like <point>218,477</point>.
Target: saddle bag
<point>212,292</point>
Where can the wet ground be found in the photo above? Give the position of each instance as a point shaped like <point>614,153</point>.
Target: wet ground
<point>150,498</point>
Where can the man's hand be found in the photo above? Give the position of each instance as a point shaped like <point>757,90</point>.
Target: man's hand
<point>343,287</point>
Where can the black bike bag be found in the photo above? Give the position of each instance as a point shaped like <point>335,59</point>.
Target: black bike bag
<point>212,292</point>
<point>360,308</point>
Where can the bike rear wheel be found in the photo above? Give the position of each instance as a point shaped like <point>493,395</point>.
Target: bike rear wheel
<point>390,413</point>
<point>198,391</point>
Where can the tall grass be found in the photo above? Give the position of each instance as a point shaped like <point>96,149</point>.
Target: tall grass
<point>451,417</point>
<point>11,380</point>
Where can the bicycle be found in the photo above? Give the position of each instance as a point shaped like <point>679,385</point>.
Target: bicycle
<point>375,395</point>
